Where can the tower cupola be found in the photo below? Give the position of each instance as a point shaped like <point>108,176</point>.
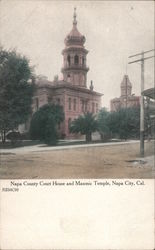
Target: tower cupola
<point>74,67</point>
<point>126,86</point>
<point>74,38</point>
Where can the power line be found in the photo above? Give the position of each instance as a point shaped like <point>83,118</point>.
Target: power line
<point>141,53</point>
<point>141,59</point>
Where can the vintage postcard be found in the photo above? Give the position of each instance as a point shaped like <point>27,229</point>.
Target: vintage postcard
<point>77,125</point>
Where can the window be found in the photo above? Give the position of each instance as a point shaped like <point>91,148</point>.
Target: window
<point>69,60</point>
<point>82,60</point>
<point>74,104</point>
<point>49,99</point>
<point>82,108</point>
<point>58,101</point>
<point>76,59</point>
<point>69,103</point>
<point>68,77</point>
<point>93,107</point>
<point>96,107</point>
<point>69,123</point>
<point>85,106</point>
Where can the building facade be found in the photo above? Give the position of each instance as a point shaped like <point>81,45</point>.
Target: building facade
<point>127,99</point>
<point>72,92</point>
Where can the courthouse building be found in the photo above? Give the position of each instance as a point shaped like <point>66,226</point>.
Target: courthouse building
<point>72,92</point>
<point>127,99</point>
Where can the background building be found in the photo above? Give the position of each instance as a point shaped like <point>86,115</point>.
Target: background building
<point>71,92</point>
<point>127,99</point>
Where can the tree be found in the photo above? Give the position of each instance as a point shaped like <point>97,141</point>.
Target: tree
<point>85,124</point>
<point>125,122</point>
<point>103,125</point>
<point>16,91</point>
<point>44,123</point>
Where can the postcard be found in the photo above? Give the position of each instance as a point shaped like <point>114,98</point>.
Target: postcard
<point>77,134</point>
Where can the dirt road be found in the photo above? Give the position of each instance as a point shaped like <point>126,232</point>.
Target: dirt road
<point>108,161</point>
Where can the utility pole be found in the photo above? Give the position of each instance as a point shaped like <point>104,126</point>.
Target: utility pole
<point>126,91</point>
<point>142,97</point>
<point>142,108</point>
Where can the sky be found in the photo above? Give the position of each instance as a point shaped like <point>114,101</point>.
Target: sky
<point>114,30</point>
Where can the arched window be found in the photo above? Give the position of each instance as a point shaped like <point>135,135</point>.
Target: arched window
<point>68,78</point>
<point>74,104</point>
<point>69,60</point>
<point>69,103</point>
<point>82,107</point>
<point>82,60</point>
<point>76,59</point>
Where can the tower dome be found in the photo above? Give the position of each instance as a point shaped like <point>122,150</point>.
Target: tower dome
<point>74,38</point>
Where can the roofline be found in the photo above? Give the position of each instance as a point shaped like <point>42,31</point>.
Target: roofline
<point>69,86</point>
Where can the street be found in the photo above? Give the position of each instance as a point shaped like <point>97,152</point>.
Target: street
<point>108,160</point>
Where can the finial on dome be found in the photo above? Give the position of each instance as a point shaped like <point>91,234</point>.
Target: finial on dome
<point>74,17</point>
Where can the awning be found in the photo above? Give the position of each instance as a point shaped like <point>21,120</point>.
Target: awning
<point>149,93</point>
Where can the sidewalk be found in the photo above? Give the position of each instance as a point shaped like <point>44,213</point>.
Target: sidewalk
<point>44,147</point>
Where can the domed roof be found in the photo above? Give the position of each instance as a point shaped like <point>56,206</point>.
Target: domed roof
<point>74,32</point>
<point>126,82</point>
<point>74,37</point>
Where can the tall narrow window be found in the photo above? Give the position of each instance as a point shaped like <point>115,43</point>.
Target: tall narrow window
<point>49,99</point>
<point>96,107</point>
<point>74,104</point>
<point>82,60</point>
<point>85,106</point>
<point>82,107</point>
<point>76,59</point>
<point>69,123</point>
<point>93,107</point>
<point>69,103</point>
<point>58,101</point>
<point>68,78</point>
<point>69,60</point>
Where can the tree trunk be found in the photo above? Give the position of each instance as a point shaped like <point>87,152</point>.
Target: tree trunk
<point>3,134</point>
<point>88,137</point>
<point>102,136</point>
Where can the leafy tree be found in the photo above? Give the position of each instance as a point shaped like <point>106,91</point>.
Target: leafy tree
<point>125,122</point>
<point>16,91</point>
<point>44,123</point>
<point>103,123</point>
<point>85,124</point>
